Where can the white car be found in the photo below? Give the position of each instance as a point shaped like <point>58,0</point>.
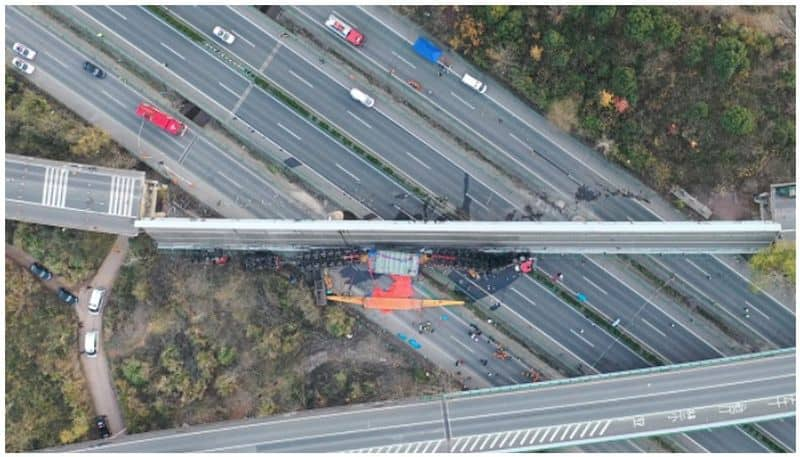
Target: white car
<point>23,66</point>
<point>365,99</point>
<point>90,343</point>
<point>24,51</point>
<point>224,35</point>
<point>96,300</point>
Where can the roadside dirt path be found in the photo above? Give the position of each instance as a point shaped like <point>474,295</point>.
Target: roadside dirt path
<point>97,369</point>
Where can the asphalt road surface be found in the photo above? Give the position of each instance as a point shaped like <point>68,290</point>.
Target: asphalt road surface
<point>258,109</point>
<point>112,105</point>
<point>72,195</point>
<point>562,413</point>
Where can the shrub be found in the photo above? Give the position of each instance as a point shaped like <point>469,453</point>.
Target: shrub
<point>135,372</point>
<point>730,57</point>
<point>623,83</point>
<point>778,258</point>
<point>640,23</point>
<point>668,31</point>
<point>696,49</point>
<point>738,120</point>
<point>698,111</point>
<point>593,126</point>
<point>338,323</point>
<point>602,15</point>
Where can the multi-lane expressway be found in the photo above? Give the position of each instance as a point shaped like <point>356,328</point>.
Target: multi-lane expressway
<point>530,417</point>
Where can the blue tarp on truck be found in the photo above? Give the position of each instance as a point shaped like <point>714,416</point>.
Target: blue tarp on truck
<point>427,50</point>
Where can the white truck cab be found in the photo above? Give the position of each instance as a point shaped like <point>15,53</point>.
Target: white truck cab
<point>365,99</point>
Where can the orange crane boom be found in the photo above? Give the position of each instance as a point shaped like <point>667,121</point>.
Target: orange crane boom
<point>393,303</point>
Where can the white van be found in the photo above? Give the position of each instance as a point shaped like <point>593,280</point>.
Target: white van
<point>96,300</point>
<point>90,343</point>
<point>365,99</point>
<point>474,83</point>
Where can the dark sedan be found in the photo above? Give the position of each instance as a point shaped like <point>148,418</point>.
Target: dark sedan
<point>40,271</point>
<point>94,70</point>
<point>67,296</point>
<point>102,426</point>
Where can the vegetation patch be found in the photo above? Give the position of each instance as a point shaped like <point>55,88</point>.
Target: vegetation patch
<point>689,96</point>
<point>777,259</point>
<point>47,402</point>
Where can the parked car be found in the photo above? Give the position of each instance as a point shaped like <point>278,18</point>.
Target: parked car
<point>24,51</point>
<point>224,35</point>
<point>22,66</point>
<point>90,343</point>
<point>102,426</point>
<point>67,296</point>
<point>94,70</point>
<point>40,271</point>
<point>96,300</point>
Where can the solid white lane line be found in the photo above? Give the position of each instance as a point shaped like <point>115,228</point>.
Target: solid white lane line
<point>289,131</point>
<point>173,51</point>
<point>688,329</point>
<point>747,281</point>
<point>404,60</point>
<point>594,428</point>
<point>476,201</point>
<point>358,119</point>
<point>595,285</point>
<point>303,80</point>
<point>695,265</point>
<point>523,296</point>
<point>117,13</point>
<point>239,35</point>
<point>750,305</point>
<point>350,174</point>
<point>236,94</point>
<point>114,99</point>
<point>462,344</point>
<point>653,327</point>
<point>520,141</point>
<point>581,337</point>
<point>603,430</point>
<point>462,100</point>
<point>230,180</point>
<point>417,160</point>
<point>535,434</point>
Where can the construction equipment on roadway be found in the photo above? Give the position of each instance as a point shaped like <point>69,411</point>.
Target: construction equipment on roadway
<point>393,303</point>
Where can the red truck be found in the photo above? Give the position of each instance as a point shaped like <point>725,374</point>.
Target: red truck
<point>160,119</point>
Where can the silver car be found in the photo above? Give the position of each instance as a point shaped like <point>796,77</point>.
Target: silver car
<point>22,66</point>
<point>24,51</point>
<point>224,35</point>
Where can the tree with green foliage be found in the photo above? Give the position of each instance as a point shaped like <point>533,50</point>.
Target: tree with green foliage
<point>510,29</point>
<point>496,13</point>
<point>602,15</point>
<point>623,83</point>
<point>555,48</point>
<point>730,57</point>
<point>640,23</point>
<point>668,30</point>
<point>738,120</point>
<point>696,48</point>
<point>593,125</point>
<point>783,136</point>
<point>698,111</point>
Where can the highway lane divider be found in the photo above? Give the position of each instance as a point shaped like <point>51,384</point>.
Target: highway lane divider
<point>300,109</point>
